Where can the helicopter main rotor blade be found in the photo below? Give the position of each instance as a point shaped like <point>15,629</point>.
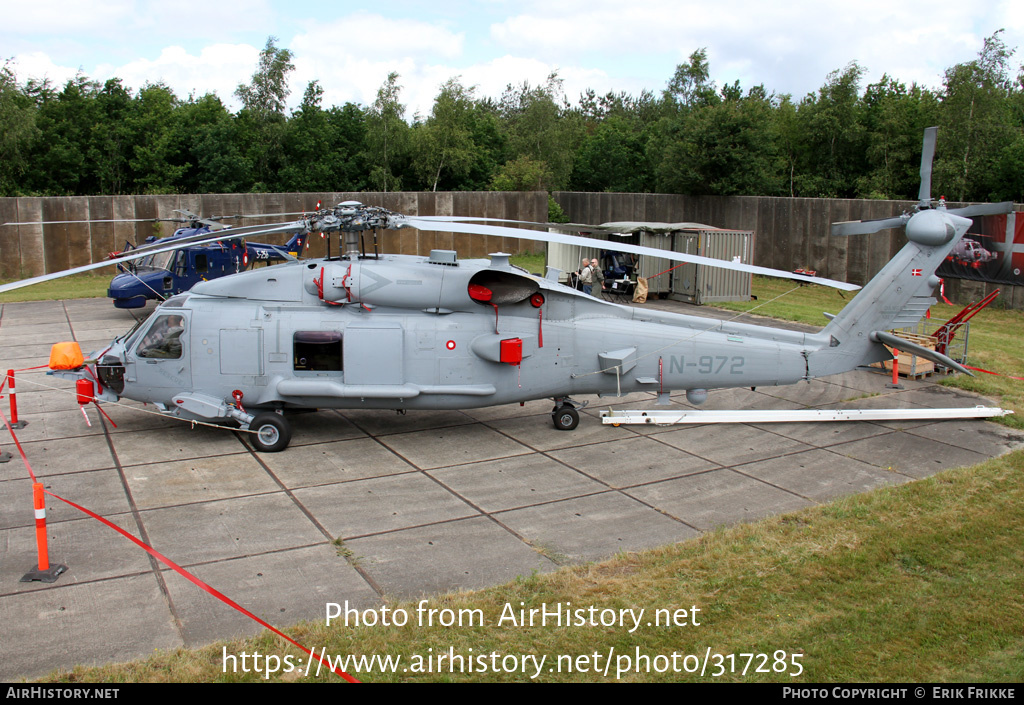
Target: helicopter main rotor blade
<point>924,194</point>
<point>64,222</point>
<point>225,233</point>
<point>136,254</point>
<point>500,231</point>
<point>866,227</point>
<point>473,219</point>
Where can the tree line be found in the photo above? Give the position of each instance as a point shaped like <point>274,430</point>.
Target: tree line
<point>842,141</point>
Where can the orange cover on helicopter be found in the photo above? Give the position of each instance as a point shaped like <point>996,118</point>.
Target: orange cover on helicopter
<point>66,356</point>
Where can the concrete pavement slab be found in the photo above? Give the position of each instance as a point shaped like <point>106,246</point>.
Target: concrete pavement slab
<point>179,441</point>
<point>338,461</point>
<point>57,424</point>
<point>56,456</point>
<point>717,497</point>
<point>323,427</point>
<point>873,381</point>
<point>821,475</point>
<point>825,433</point>
<point>382,504</point>
<point>538,433</point>
<point>817,392</point>
<point>157,485</point>
<point>904,452</point>
<point>102,491</point>
<point>229,528</point>
<point>452,445</point>
<point>979,436</point>
<point>91,551</point>
<point>594,527</point>
<point>93,624</point>
<point>456,555</point>
<point>380,422</point>
<point>497,485</point>
<point>632,461</point>
<point>507,411</point>
<point>280,588</point>
<point>730,444</point>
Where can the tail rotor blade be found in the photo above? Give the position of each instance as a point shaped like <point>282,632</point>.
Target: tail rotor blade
<point>866,227</point>
<point>924,195</point>
<point>983,209</point>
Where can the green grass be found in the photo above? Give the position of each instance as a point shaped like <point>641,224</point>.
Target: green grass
<point>77,286</point>
<point>530,261</point>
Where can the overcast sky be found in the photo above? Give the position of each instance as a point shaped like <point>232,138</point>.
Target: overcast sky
<point>205,46</point>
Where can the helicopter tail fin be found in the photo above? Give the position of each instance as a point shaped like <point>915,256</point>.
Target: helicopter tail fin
<point>897,297</point>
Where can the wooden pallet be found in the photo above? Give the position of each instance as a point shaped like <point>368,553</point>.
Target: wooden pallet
<point>911,366</point>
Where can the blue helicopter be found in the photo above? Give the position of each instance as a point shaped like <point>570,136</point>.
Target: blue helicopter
<point>163,274</point>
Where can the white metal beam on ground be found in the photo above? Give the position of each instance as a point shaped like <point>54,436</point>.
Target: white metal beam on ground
<point>693,416</point>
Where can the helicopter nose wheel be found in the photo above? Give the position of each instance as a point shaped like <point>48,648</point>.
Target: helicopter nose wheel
<point>272,432</point>
<point>564,415</point>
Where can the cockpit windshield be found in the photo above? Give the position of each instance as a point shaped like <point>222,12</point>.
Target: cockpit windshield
<point>163,340</point>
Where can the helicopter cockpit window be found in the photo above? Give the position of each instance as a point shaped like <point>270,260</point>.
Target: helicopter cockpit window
<point>163,341</point>
<point>175,301</point>
<point>161,260</point>
<point>318,350</point>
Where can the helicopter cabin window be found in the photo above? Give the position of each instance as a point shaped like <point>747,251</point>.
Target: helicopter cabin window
<point>163,341</point>
<point>202,265</point>
<point>318,351</point>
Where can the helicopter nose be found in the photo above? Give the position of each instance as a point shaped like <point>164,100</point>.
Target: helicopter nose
<point>110,370</point>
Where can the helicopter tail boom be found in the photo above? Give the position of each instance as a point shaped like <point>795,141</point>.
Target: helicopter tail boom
<point>898,296</point>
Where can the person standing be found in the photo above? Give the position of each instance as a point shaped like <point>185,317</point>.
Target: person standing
<point>597,277</point>
<point>586,275</point>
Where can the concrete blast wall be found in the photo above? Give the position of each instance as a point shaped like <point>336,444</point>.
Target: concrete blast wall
<point>789,233</point>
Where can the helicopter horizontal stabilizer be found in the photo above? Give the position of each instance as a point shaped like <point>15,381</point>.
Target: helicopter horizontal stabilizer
<point>904,345</point>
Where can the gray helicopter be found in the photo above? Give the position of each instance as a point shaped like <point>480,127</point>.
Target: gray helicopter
<point>402,332</point>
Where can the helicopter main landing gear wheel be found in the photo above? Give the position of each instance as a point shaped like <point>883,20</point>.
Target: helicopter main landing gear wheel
<point>565,416</point>
<point>272,432</point>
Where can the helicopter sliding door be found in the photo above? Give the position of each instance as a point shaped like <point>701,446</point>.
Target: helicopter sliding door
<point>374,353</point>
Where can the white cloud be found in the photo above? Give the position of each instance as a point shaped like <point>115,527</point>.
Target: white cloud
<point>383,38</point>
<point>788,47</point>
<point>38,66</point>
<point>218,68</point>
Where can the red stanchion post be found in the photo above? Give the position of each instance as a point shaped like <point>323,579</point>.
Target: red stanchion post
<point>895,384</point>
<point>15,423</point>
<point>44,572</point>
